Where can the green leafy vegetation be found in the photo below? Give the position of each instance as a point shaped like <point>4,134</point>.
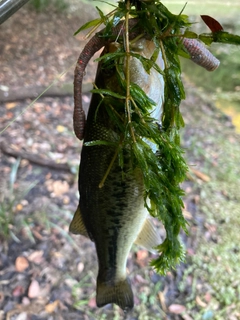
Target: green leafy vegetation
<point>7,202</point>
<point>165,169</point>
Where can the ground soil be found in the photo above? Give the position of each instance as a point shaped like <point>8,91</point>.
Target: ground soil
<point>41,264</point>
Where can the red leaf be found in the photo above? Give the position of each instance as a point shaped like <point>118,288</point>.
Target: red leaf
<point>212,24</point>
<point>18,291</point>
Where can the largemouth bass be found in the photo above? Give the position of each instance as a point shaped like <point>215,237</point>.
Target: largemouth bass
<point>113,215</point>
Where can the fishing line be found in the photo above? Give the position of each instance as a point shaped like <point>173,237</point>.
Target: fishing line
<point>119,33</point>
<point>39,96</point>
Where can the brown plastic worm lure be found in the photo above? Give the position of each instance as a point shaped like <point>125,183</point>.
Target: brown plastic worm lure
<point>200,54</point>
<point>96,43</point>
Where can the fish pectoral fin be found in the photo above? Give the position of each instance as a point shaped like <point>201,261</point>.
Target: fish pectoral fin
<point>148,236</point>
<point>77,225</point>
<point>119,293</point>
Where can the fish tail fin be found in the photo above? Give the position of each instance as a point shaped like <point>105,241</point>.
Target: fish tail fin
<point>119,293</point>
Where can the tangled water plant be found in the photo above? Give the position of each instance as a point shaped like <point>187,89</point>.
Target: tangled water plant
<point>153,147</point>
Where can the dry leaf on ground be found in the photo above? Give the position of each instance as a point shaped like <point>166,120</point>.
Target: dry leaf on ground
<point>200,302</point>
<point>36,256</point>
<point>34,289</point>
<point>58,187</point>
<point>21,264</point>
<point>200,175</point>
<point>186,317</point>
<point>22,316</point>
<point>176,308</point>
<point>50,308</point>
<point>10,105</point>
<point>18,291</point>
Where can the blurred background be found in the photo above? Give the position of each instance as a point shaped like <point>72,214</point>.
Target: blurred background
<point>47,273</point>
<point>222,85</point>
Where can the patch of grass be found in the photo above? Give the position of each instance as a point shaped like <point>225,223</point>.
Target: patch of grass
<point>105,6</point>
<point>10,197</point>
<point>77,289</point>
<point>39,5</point>
<point>215,268</point>
<point>7,202</point>
<point>216,8</point>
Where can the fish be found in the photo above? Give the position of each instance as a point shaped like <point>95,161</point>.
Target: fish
<point>112,210</point>
<point>113,215</point>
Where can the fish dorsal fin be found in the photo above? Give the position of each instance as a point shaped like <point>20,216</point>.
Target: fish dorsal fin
<point>77,225</point>
<point>148,236</point>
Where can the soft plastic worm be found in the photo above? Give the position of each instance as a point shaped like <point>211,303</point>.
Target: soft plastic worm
<point>90,49</point>
<point>200,54</point>
<point>94,44</point>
